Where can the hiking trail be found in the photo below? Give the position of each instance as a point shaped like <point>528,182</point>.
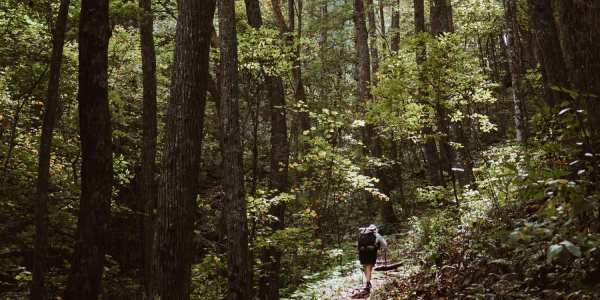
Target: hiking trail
<point>347,281</point>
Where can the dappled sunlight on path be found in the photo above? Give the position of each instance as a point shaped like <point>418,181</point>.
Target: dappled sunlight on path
<point>347,280</point>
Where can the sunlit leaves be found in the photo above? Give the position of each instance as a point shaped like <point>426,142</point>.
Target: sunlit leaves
<point>264,51</point>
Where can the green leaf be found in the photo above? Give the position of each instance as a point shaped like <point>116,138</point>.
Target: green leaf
<point>576,251</point>
<point>554,251</point>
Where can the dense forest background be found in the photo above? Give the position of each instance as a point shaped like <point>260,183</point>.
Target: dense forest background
<point>230,149</point>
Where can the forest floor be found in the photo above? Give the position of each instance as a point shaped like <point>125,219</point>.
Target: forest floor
<point>503,256</point>
<point>347,281</point>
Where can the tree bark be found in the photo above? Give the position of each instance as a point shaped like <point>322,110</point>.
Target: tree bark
<point>96,153</point>
<point>511,38</point>
<point>548,50</point>
<point>363,64</point>
<point>579,31</point>
<point>395,25</point>
<point>372,32</point>
<point>149,138</point>
<point>38,287</point>
<point>382,16</point>
<point>238,260</point>
<point>323,44</point>
<point>440,24</point>
<point>183,143</point>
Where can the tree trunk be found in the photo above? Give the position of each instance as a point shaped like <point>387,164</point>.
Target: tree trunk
<point>323,41</point>
<point>149,137</point>
<point>382,16</point>
<point>511,38</point>
<point>299,89</point>
<point>38,287</point>
<point>372,31</point>
<point>278,181</point>
<point>269,282</point>
<point>238,260</point>
<point>579,30</point>
<point>395,25</point>
<point>441,23</point>
<point>363,64</point>
<point>385,184</point>
<point>434,167</point>
<point>96,153</point>
<point>255,124</point>
<point>183,142</point>
<point>548,51</point>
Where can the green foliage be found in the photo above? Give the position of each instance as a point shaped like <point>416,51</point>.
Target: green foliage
<point>208,280</point>
<point>265,52</point>
<point>407,95</point>
<point>433,233</point>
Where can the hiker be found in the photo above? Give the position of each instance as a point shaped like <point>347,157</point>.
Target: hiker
<point>369,242</point>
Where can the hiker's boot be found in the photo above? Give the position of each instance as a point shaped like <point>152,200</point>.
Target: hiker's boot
<point>368,287</point>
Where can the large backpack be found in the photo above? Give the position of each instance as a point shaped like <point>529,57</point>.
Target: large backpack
<point>367,241</point>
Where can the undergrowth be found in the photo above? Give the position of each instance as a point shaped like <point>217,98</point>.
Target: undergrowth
<point>527,230</point>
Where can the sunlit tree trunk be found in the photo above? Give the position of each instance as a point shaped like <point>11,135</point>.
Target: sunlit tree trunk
<point>178,187</point>
<point>87,265</point>
<point>511,39</point>
<point>38,287</point>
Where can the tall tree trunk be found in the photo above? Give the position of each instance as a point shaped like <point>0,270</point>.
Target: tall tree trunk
<point>238,260</point>
<point>183,142</point>
<point>96,153</point>
<point>434,167</point>
<point>323,41</point>
<point>269,282</point>
<point>511,39</point>
<point>278,181</point>
<point>548,50</point>
<point>149,137</point>
<point>299,89</point>
<point>363,77</point>
<point>363,63</point>
<point>382,16</point>
<point>579,31</point>
<point>385,184</point>
<point>440,25</point>
<point>442,22</point>
<point>38,287</point>
<point>395,25</point>
<point>372,31</point>
<point>255,20</point>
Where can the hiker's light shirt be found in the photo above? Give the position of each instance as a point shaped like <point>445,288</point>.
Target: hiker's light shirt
<point>379,240</point>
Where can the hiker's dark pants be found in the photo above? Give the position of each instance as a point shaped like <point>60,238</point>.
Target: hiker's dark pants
<point>367,257</point>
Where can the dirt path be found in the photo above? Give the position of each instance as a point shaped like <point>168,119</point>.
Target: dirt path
<point>350,291</point>
<point>400,246</point>
<point>346,282</point>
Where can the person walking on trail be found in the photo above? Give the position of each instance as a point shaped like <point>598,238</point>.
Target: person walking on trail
<point>369,243</point>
